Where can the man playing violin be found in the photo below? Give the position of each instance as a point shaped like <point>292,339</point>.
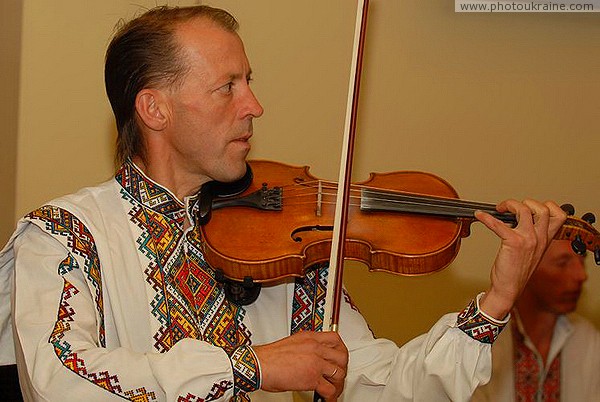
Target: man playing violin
<point>113,298</point>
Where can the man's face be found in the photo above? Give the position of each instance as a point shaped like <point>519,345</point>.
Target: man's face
<point>558,280</point>
<point>212,109</point>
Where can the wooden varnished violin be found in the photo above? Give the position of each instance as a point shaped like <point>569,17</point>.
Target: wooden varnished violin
<point>408,223</point>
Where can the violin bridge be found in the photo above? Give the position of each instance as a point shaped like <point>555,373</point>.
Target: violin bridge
<point>318,210</point>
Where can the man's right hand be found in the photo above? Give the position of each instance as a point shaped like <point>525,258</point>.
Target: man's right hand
<point>306,361</point>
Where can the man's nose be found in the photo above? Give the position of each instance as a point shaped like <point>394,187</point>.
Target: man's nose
<point>578,270</point>
<point>254,108</point>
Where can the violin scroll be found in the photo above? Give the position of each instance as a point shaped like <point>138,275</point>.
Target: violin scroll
<point>583,236</point>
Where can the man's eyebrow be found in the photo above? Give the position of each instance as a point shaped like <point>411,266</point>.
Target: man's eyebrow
<point>234,76</point>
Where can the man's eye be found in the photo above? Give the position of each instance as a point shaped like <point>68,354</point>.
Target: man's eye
<point>226,88</point>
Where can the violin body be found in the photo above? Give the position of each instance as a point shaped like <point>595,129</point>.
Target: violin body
<point>268,245</point>
<point>406,222</point>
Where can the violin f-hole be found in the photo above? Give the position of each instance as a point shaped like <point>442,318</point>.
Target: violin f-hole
<point>311,228</point>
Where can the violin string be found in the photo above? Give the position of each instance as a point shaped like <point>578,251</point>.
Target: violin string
<point>307,189</point>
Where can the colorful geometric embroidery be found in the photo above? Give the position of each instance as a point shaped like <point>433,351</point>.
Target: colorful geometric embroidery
<point>65,315</point>
<point>241,397</point>
<point>149,194</point>
<point>65,311</point>
<point>67,265</point>
<point>552,382</point>
<point>348,300</point>
<point>80,241</point>
<point>473,323</point>
<point>308,307</point>
<point>187,300</point>
<point>71,360</point>
<point>530,383</point>
<point>217,391</point>
<point>246,372</point>
<point>225,329</point>
<point>140,395</point>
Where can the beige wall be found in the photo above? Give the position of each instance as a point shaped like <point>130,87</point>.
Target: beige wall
<point>10,60</point>
<point>500,105</point>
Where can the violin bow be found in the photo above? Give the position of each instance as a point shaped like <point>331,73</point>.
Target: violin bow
<point>340,223</point>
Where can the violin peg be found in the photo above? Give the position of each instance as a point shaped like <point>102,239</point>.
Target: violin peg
<point>597,255</point>
<point>589,218</point>
<point>578,246</point>
<point>568,208</point>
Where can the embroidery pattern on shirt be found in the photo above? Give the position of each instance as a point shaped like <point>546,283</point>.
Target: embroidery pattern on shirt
<point>187,301</point>
<point>245,363</point>
<point>217,391</point>
<point>349,300</point>
<point>75,235</point>
<point>529,373</point>
<point>308,307</point>
<point>472,322</point>
<point>147,193</point>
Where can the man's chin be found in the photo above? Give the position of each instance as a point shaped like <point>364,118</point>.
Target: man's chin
<point>566,308</point>
<point>234,172</point>
<point>240,171</point>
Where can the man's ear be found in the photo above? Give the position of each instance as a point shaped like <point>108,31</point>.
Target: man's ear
<point>151,107</point>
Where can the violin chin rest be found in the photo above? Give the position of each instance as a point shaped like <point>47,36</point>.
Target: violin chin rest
<point>239,293</point>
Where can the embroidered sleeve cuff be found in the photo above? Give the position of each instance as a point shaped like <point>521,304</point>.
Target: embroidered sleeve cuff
<point>246,370</point>
<point>478,325</point>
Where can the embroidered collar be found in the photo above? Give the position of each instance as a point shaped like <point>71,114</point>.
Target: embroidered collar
<point>563,329</point>
<point>151,194</point>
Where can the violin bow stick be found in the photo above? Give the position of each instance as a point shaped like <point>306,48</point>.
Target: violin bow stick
<point>336,259</point>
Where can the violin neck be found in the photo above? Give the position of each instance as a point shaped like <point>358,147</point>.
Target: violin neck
<point>372,200</point>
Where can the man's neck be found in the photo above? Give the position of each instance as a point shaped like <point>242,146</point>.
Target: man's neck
<point>166,175</point>
<point>538,324</point>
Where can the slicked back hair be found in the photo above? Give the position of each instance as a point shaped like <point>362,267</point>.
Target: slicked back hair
<point>145,53</point>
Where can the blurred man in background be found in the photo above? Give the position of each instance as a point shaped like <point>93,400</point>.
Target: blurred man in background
<point>546,353</point>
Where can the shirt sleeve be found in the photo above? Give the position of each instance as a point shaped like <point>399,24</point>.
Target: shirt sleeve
<point>59,340</point>
<point>445,364</point>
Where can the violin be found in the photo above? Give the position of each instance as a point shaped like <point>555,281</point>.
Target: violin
<point>406,223</point>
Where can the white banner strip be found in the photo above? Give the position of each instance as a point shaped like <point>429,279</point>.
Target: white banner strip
<point>524,6</point>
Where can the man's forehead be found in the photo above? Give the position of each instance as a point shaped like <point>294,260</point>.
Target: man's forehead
<point>202,30</point>
<point>207,39</point>
<point>212,51</point>
<point>559,249</point>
